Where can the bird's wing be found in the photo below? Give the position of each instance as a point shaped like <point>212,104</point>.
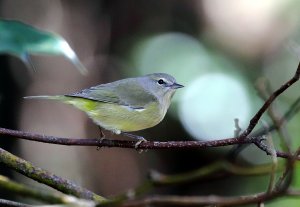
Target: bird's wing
<point>130,94</point>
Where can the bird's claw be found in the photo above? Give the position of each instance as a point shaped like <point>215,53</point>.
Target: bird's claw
<point>137,144</point>
<point>100,142</point>
<point>140,141</point>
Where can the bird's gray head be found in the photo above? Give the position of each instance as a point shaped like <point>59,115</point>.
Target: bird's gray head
<point>162,85</point>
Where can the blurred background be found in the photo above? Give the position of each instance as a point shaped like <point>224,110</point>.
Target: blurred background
<point>218,50</point>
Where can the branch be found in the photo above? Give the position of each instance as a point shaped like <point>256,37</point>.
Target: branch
<point>279,123</point>
<point>86,203</point>
<point>169,200</point>
<point>40,175</point>
<point>8,203</point>
<point>274,95</point>
<point>144,145</point>
<point>295,107</point>
<point>280,189</point>
<point>29,192</point>
<point>213,170</point>
<point>124,143</point>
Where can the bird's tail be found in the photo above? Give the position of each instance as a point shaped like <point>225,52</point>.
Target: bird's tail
<point>80,103</point>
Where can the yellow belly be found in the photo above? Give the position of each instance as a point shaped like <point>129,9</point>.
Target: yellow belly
<point>118,118</point>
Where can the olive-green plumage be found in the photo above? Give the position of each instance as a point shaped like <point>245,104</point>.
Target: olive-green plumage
<point>125,105</point>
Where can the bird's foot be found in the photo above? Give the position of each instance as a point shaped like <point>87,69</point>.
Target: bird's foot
<point>100,140</point>
<point>102,137</point>
<point>137,144</point>
<point>139,139</point>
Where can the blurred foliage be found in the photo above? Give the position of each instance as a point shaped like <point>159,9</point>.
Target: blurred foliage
<point>22,40</point>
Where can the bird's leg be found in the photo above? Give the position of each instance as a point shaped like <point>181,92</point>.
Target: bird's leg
<point>139,139</point>
<point>102,136</point>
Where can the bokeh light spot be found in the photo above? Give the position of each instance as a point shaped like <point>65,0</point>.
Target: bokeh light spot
<point>209,105</point>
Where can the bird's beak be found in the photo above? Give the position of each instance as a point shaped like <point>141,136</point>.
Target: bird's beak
<point>176,86</point>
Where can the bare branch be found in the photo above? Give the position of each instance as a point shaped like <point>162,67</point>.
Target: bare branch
<point>274,95</point>
<point>295,107</point>
<point>143,145</point>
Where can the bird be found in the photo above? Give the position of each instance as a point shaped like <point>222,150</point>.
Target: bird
<point>125,105</point>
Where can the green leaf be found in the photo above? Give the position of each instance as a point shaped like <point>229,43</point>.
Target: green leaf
<point>22,40</point>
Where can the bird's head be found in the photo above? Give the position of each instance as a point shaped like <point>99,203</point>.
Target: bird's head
<point>162,85</point>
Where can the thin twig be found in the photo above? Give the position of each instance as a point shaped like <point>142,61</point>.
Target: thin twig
<point>209,170</point>
<point>132,144</point>
<point>280,126</point>
<point>124,143</point>
<point>274,163</point>
<point>292,111</point>
<point>274,95</point>
<point>215,169</point>
<point>278,123</point>
<point>171,200</point>
<point>286,178</point>
<point>264,94</point>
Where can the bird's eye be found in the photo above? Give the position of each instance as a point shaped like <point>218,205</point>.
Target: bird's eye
<point>161,81</point>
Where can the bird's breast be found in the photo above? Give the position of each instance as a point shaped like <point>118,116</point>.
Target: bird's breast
<point>118,118</point>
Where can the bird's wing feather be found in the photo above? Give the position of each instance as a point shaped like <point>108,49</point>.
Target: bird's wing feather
<point>126,93</point>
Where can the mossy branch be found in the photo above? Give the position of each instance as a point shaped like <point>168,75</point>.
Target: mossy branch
<point>40,175</point>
